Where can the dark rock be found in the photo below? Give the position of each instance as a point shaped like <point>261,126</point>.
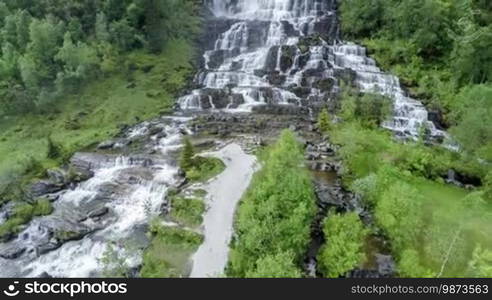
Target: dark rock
<point>6,237</point>
<point>63,235</point>
<point>52,245</point>
<point>44,275</point>
<point>301,92</point>
<point>98,212</point>
<point>106,145</point>
<point>57,176</point>
<point>436,117</point>
<point>386,265</point>
<point>346,75</point>
<point>161,135</point>
<point>83,164</point>
<point>275,78</point>
<point>312,156</point>
<point>358,273</point>
<point>287,57</point>
<point>44,187</point>
<point>279,109</point>
<point>155,130</point>
<point>325,85</point>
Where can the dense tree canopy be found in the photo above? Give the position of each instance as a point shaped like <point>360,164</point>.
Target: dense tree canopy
<point>274,218</point>
<point>344,249</point>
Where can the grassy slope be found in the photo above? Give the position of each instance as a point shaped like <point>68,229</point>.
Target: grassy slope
<point>366,150</point>
<point>169,253</point>
<point>99,109</point>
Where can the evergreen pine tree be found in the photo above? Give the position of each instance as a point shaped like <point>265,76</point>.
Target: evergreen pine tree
<point>324,121</point>
<point>186,160</point>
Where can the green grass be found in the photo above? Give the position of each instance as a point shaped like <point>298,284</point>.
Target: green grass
<point>169,253</point>
<point>205,168</point>
<point>365,150</point>
<point>97,112</point>
<point>444,208</point>
<point>171,247</point>
<point>187,211</point>
<point>22,214</point>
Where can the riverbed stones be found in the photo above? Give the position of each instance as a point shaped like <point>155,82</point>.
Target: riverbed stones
<point>43,187</point>
<point>106,145</point>
<point>11,251</point>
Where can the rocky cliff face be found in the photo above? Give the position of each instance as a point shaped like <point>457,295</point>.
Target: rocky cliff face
<point>265,53</point>
<point>286,56</point>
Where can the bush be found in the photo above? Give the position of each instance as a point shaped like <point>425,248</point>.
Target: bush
<point>23,214</point>
<point>324,122</point>
<point>169,251</point>
<point>43,207</point>
<point>473,116</point>
<point>371,110</point>
<point>399,213</point>
<point>409,265</point>
<point>187,211</point>
<point>280,265</point>
<point>55,150</point>
<point>343,250</point>
<point>361,17</point>
<point>198,168</point>
<point>481,263</point>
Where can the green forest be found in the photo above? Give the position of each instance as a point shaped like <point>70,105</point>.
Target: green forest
<point>73,72</point>
<point>76,73</point>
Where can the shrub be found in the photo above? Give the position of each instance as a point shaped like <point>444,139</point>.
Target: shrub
<point>187,211</point>
<point>280,265</point>
<point>324,121</point>
<point>343,250</point>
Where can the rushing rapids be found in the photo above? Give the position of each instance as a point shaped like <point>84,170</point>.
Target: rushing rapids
<point>288,52</point>
<point>111,208</point>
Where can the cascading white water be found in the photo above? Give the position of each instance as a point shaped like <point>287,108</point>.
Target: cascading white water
<point>130,190</point>
<point>249,46</point>
<point>249,65</point>
<point>410,116</point>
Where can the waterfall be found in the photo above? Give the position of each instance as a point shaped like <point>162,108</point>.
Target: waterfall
<point>287,52</point>
<point>264,53</point>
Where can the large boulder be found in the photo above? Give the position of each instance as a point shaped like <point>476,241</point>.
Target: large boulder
<point>43,187</point>
<point>12,250</point>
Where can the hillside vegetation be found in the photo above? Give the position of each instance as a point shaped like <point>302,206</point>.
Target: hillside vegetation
<point>435,229</point>
<point>73,73</point>
<point>440,49</point>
